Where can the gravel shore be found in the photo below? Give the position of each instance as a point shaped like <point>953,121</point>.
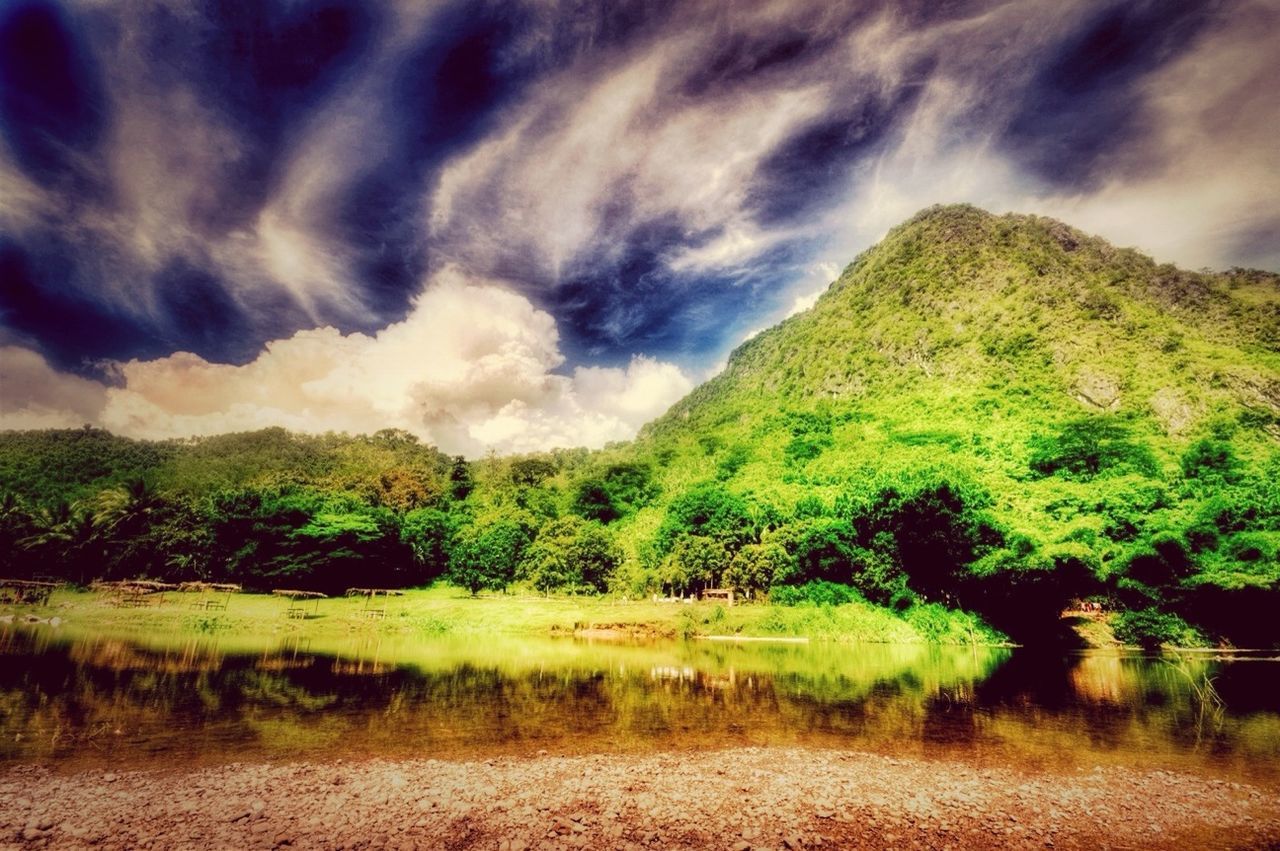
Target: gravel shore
<point>750,798</point>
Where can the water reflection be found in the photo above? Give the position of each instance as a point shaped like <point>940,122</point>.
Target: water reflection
<point>83,700</point>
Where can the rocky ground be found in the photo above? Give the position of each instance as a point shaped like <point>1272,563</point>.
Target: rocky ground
<point>755,798</point>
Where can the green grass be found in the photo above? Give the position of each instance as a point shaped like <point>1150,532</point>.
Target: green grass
<point>443,611</point>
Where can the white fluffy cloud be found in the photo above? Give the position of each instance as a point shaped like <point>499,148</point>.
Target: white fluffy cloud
<point>471,368</point>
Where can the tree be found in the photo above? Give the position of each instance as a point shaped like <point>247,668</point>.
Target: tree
<point>486,553</point>
<point>596,556</point>
<point>460,481</point>
<point>1090,446</point>
<point>16,524</point>
<point>757,567</point>
<point>302,538</point>
<point>402,489</point>
<point>571,554</point>
<point>707,511</point>
<point>614,492</point>
<point>66,540</point>
<point>824,550</point>
<point>695,561</point>
<point>594,502</point>
<point>933,532</point>
<point>531,472</point>
<point>427,532</point>
<point>548,563</point>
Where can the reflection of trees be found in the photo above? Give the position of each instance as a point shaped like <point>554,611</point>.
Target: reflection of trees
<point>108,698</point>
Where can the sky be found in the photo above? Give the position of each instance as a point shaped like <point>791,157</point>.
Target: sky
<point>509,226</point>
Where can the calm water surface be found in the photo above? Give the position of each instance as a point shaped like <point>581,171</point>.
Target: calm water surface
<point>80,701</point>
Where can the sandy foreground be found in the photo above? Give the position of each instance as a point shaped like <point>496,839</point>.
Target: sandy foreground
<point>749,798</point>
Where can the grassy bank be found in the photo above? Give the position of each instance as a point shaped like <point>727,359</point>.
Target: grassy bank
<point>444,610</point>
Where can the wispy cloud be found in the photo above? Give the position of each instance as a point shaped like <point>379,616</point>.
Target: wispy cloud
<point>281,192</point>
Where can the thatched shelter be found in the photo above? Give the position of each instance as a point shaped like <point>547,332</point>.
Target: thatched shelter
<point>373,606</point>
<point>27,591</point>
<point>133,592</point>
<point>214,596</point>
<point>297,601</point>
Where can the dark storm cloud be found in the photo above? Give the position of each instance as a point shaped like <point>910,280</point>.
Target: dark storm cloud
<point>1081,119</point>
<point>659,176</point>
<point>51,97</point>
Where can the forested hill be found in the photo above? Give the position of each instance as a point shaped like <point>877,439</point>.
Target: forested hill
<point>1008,409</point>
<point>996,413</point>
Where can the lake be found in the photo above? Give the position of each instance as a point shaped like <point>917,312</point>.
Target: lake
<point>72,701</point>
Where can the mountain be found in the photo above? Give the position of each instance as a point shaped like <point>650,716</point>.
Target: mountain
<point>1108,417</point>
<point>994,413</point>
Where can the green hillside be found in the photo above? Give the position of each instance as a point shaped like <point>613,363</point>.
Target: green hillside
<point>1077,419</point>
<point>995,414</point>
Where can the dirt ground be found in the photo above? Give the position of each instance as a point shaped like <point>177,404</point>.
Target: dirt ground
<point>751,798</point>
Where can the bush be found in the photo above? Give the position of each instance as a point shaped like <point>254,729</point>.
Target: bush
<point>814,594</point>
<point>1089,446</point>
<point>1209,458</point>
<point>1151,628</point>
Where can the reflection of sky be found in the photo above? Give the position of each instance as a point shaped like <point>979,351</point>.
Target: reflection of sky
<point>656,179</point>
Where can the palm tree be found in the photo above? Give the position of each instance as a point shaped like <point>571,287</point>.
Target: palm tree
<point>67,541</point>
<point>126,504</point>
<point>16,524</point>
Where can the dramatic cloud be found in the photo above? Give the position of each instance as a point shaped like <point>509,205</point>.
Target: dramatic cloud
<point>267,188</point>
<point>35,395</point>
<point>470,368</point>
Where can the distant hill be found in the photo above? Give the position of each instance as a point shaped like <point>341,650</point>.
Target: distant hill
<point>998,413</point>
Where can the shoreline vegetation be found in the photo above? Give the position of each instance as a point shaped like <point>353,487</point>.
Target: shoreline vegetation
<point>443,610</point>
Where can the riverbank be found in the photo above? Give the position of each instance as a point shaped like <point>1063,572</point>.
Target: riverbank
<point>746,798</point>
<point>446,611</point>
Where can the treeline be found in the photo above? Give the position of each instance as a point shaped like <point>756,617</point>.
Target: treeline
<point>1186,557</point>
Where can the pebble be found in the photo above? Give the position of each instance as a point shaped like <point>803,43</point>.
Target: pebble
<point>669,801</point>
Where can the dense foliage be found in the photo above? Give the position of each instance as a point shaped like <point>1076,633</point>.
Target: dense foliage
<point>998,414</point>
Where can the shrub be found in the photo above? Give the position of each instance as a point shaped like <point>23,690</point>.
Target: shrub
<point>1150,628</point>
<point>814,594</point>
<point>1089,446</point>
<point>1209,458</point>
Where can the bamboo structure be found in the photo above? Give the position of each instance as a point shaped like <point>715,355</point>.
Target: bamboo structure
<point>297,601</point>
<point>133,592</point>
<point>214,596</point>
<point>28,591</point>
<point>372,609</point>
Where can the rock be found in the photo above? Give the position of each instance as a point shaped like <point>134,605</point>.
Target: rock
<point>108,778</point>
<point>793,842</point>
<point>742,845</point>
